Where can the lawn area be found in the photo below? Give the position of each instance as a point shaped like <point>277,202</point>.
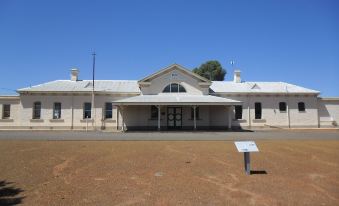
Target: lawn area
<point>299,172</point>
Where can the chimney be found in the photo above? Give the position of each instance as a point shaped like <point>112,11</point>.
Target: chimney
<point>74,74</point>
<point>237,78</point>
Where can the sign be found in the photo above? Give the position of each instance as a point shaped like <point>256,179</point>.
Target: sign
<point>246,146</point>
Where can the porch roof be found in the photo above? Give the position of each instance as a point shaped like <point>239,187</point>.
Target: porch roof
<point>178,99</point>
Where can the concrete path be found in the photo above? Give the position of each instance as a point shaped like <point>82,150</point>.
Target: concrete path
<point>170,136</point>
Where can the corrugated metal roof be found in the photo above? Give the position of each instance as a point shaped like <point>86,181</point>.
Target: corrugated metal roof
<point>119,86</point>
<point>131,86</point>
<point>173,99</point>
<point>258,87</point>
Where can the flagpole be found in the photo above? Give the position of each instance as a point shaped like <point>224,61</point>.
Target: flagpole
<point>93,106</point>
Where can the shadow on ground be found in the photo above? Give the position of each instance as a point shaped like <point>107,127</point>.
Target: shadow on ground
<point>9,195</point>
<point>258,172</point>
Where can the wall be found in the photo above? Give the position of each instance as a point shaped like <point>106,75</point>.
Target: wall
<point>14,120</point>
<point>215,116</point>
<point>71,115</point>
<point>328,112</point>
<point>272,116</point>
<point>159,83</point>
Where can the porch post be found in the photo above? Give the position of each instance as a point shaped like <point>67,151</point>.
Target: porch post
<point>159,115</point>
<point>230,117</point>
<point>122,119</point>
<point>194,117</point>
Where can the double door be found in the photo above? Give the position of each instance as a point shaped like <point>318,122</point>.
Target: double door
<point>174,117</point>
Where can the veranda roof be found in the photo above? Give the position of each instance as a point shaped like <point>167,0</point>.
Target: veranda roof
<point>179,99</point>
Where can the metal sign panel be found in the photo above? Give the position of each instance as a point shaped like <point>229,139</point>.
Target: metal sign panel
<point>246,146</point>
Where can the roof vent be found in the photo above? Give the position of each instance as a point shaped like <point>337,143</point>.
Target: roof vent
<point>255,86</point>
<point>237,78</point>
<point>74,74</point>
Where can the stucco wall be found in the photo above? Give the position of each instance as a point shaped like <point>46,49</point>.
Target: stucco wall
<point>14,120</point>
<point>272,116</point>
<point>159,83</point>
<point>71,115</point>
<point>328,112</point>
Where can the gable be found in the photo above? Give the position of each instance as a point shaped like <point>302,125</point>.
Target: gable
<point>192,83</point>
<point>171,68</point>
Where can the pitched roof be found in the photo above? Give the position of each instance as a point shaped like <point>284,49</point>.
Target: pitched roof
<point>131,86</point>
<point>110,86</point>
<point>172,67</point>
<point>174,99</point>
<point>258,87</point>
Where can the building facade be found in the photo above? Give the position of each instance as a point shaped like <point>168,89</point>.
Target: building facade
<point>173,98</point>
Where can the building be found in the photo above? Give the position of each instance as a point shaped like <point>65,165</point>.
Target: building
<point>172,98</point>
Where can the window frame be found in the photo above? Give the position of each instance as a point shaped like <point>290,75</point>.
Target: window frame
<point>282,107</point>
<point>257,110</point>
<point>4,116</point>
<point>301,108</point>
<point>87,110</point>
<point>36,110</point>
<point>109,110</point>
<point>237,109</point>
<point>169,88</point>
<point>54,110</point>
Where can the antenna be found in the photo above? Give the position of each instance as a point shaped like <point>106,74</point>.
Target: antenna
<point>232,62</point>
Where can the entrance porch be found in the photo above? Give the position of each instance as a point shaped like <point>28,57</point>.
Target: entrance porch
<point>209,112</point>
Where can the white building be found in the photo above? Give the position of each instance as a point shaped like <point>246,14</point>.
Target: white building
<point>172,98</point>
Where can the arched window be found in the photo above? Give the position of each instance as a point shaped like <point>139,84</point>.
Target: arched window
<point>174,88</point>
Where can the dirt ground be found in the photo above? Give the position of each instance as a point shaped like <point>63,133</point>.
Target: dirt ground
<point>298,172</point>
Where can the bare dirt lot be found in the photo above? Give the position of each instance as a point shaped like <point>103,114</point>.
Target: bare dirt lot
<point>299,172</point>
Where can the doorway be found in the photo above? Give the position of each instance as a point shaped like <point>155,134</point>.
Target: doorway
<point>174,118</point>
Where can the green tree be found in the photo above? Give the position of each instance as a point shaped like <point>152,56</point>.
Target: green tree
<point>211,70</point>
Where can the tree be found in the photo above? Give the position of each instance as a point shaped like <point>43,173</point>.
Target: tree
<point>211,70</point>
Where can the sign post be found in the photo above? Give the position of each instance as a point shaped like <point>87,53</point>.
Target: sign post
<point>246,147</point>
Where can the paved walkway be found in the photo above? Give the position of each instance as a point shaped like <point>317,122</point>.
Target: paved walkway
<point>170,136</point>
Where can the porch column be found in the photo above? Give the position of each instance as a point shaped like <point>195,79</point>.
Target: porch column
<point>230,108</point>
<point>159,116</point>
<point>122,119</point>
<point>195,117</point>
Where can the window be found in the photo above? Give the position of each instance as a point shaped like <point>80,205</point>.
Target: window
<point>108,110</point>
<point>57,110</point>
<point>167,89</point>
<point>257,108</point>
<point>174,88</point>
<point>301,106</point>
<point>154,112</point>
<point>238,112</point>
<point>37,110</point>
<point>6,111</point>
<point>87,110</point>
<point>197,116</point>
<point>282,106</point>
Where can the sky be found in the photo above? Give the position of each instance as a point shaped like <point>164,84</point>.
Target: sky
<point>294,41</point>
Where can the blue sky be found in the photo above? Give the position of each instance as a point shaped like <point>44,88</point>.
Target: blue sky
<point>295,41</point>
